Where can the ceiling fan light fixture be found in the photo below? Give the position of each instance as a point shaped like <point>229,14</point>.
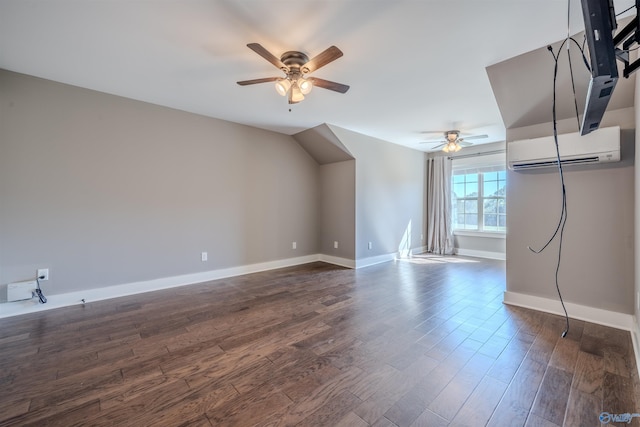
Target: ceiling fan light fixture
<point>282,86</point>
<point>451,147</point>
<point>305,85</point>
<point>296,94</point>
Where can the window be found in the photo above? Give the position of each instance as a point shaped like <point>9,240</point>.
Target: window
<point>479,197</point>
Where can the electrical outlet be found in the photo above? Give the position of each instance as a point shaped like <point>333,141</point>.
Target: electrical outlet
<point>370,245</point>
<point>204,256</point>
<point>335,244</point>
<point>43,274</point>
<point>293,245</point>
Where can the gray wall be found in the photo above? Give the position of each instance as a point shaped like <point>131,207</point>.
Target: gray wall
<point>105,190</point>
<point>390,193</point>
<point>598,252</point>
<point>338,209</point>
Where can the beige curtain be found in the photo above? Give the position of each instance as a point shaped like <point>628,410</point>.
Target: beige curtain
<point>439,231</point>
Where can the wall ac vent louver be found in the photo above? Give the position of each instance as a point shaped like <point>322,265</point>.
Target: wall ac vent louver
<point>601,146</point>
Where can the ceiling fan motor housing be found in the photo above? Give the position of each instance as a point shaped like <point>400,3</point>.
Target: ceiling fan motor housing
<point>452,135</point>
<point>294,60</point>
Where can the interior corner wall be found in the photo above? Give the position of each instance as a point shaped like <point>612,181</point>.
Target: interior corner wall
<point>637,215</point>
<point>338,209</point>
<point>104,190</point>
<point>390,195</point>
<point>597,264</point>
<point>483,245</point>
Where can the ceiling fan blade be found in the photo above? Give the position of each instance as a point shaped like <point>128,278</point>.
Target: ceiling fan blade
<point>466,138</point>
<point>465,143</point>
<point>326,84</point>
<point>257,48</point>
<point>256,81</point>
<point>438,147</point>
<point>329,55</point>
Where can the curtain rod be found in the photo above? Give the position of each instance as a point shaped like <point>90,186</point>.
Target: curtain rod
<point>486,153</point>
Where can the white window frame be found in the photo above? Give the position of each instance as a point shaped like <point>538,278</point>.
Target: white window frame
<point>479,165</point>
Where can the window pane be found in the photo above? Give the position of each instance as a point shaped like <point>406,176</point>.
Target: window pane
<point>490,176</point>
<point>471,220</point>
<point>458,190</point>
<point>490,188</point>
<point>502,175</point>
<point>471,206</point>
<point>490,206</point>
<point>502,221</point>
<point>502,206</point>
<point>471,189</point>
<point>490,220</point>
<point>458,179</point>
<point>471,177</point>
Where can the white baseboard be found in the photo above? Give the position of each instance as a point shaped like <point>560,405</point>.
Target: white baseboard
<point>97,294</point>
<point>635,339</point>
<point>366,262</point>
<point>481,254</point>
<point>343,262</point>
<point>576,311</point>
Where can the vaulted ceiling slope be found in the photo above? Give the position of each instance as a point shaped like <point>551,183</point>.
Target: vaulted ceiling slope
<point>413,66</point>
<point>323,145</point>
<point>523,85</point>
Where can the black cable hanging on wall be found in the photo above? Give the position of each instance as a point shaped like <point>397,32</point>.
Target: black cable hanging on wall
<point>559,231</point>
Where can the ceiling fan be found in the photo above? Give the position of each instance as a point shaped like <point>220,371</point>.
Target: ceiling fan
<point>453,142</point>
<point>296,65</point>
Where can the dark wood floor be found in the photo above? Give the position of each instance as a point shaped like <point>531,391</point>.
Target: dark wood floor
<point>422,343</point>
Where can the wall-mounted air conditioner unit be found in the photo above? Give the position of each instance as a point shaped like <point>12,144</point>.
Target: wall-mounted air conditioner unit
<point>599,146</point>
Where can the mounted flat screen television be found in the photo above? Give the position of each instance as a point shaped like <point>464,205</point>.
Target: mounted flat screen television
<point>599,23</point>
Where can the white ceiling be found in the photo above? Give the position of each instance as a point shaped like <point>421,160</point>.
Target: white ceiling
<point>413,66</point>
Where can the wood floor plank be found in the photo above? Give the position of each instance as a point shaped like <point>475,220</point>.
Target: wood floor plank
<point>429,419</point>
<point>75,416</point>
<point>351,420</point>
<point>511,358</point>
<point>550,403</point>
<point>565,355</point>
<point>536,421</point>
<point>517,400</point>
<point>618,396</point>
<point>618,361</point>
<point>331,412</point>
<point>388,392</point>
<point>455,394</point>
<point>368,384</point>
<point>583,409</point>
<point>477,410</point>
<point>322,395</point>
<point>589,374</point>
